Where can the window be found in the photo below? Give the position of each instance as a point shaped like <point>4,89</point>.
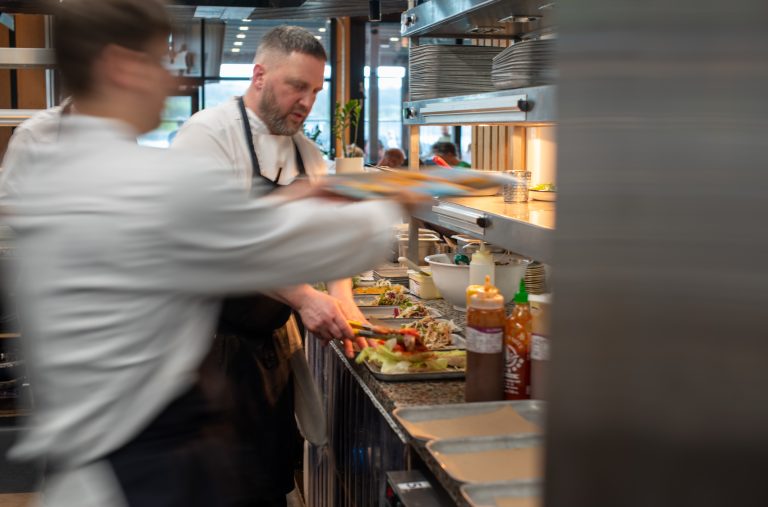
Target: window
<point>391,67</point>
<point>177,110</point>
<point>237,67</point>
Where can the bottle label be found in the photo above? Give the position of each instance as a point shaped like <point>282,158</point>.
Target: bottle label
<point>539,348</point>
<point>485,340</point>
<point>516,373</point>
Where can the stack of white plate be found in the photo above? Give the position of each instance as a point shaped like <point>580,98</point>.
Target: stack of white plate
<point>448,70</point>
<point>526,63</point>
<point>394,275</point>
<point>536,279</point>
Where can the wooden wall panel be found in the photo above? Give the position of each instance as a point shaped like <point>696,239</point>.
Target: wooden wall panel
<point>30,33</point>
<point>341,66</point>
<point>30,83</point>
<point>5,91</point>
<point>491,145</point>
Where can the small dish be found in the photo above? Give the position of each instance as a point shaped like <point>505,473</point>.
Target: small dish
<point>543,195</point>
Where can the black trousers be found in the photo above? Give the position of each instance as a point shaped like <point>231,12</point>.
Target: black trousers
<point>267,445</point>
<point>182,459</point>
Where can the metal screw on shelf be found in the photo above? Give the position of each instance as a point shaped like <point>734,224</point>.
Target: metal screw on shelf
<point>410,19</point>
<point>483,222</point>
<point>410,112</point>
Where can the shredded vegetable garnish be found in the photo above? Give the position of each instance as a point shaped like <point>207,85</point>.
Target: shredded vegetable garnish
<point>416,311</point>
<point>395,298</point>
<point>435,333</point>
<point>391,361</point>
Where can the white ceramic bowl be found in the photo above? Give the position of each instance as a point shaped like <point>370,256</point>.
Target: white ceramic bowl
<point>452,279</point>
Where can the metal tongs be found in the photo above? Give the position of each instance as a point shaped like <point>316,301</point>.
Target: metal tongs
<point>408,337</point>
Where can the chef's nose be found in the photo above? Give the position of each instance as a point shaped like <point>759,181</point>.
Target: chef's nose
<point>307,100</point>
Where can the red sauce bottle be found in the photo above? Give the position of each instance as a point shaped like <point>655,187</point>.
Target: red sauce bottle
<point>517,348</point>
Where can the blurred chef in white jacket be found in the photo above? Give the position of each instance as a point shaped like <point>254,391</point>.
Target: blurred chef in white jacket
<point>123,255</point>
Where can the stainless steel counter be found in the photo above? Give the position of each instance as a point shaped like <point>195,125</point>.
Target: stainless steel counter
<point>525,228</point>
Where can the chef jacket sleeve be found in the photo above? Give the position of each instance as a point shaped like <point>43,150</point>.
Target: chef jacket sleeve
<point>224,242</point>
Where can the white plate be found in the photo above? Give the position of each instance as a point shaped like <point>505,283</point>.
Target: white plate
<point>539,195</point>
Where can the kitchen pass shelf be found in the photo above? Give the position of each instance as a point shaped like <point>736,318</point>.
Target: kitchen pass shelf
<point>476,18</point>
<point>535,104</point>
<point>524,228</point>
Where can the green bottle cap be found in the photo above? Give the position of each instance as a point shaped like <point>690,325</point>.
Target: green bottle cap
<point>522,295</point>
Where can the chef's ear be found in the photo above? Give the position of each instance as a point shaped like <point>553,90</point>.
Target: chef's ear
<point>259,71</point>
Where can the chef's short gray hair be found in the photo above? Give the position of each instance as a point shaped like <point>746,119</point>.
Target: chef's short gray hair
<point>288,39</point>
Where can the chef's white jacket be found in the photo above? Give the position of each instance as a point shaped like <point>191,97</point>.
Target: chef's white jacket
<point>123,253</point>
<point>218,132</point>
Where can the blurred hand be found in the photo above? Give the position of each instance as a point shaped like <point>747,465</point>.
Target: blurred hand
<point>323,316</point>
<point>300,189</point>
<point>411,201</point>
<point>352,311</point>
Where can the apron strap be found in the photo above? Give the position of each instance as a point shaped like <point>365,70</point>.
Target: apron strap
<point>252,151</point>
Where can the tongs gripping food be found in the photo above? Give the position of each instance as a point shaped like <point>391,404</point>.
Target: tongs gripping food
<point>409,338</point>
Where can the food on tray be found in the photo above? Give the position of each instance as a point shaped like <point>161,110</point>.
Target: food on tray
<point>394,298</point>
<point>415,311</point>
<point>390,360</point>
<point>434,333</point>
<point>381,287</point>
<point>544,187</point>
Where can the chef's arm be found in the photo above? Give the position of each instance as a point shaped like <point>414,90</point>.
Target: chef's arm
<point>321,314</point>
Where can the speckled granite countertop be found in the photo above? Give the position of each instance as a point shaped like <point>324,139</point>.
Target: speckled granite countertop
<point>387,396</point>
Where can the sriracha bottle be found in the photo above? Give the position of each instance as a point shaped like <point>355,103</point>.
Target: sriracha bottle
<point>517,348</point>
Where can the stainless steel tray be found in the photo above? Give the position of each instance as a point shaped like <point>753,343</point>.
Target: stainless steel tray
<point>409,377</point>
<point>485,495</point>
<point>369,300</point>
<point>439,448</point>
<point>387,312</point>
<point>531,410</point>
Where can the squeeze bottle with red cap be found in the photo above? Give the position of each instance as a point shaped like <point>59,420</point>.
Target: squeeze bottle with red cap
<point>485,345</point>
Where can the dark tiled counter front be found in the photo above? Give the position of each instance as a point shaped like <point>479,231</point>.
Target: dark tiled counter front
<point>365,439</point>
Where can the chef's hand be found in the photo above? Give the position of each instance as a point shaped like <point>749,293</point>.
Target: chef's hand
<point>323,316</point>
<point>352,311</point>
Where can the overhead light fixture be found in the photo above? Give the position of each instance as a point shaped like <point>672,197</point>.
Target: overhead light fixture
<point>385,46</point>
<point>374,10</point>
<point>240,36</point>
<point>235,50</point>
<point>243,28</point>
<point>394,39</point>
<point>238,43</point>
<point>318,37</point>
<point>246,20</point>
<point>322,29</point>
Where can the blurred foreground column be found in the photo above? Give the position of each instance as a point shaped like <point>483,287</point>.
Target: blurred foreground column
<point>660,361</point>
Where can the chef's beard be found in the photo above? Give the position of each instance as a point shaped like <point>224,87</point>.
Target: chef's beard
<point>277,121</point>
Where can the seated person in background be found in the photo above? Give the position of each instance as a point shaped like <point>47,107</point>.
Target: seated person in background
<point>447,151</point>
<point>393,157</point>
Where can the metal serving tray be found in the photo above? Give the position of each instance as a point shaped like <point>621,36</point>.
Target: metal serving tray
<point>485,495</point>
<point>409,377</point>
<point>368,300</point>
<point>531,410</point>
<point>452,446</point>
<point>387,312</point>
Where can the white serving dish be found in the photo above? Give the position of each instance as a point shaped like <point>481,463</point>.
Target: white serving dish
<point>452,279</point>
<point>541,195</point>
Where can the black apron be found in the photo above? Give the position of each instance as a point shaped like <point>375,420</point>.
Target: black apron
<point>248,361</point>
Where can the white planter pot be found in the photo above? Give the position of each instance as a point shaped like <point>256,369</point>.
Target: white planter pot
<point>349,165</point>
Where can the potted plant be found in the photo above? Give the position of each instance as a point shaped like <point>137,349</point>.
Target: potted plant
<point>347,119</point>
